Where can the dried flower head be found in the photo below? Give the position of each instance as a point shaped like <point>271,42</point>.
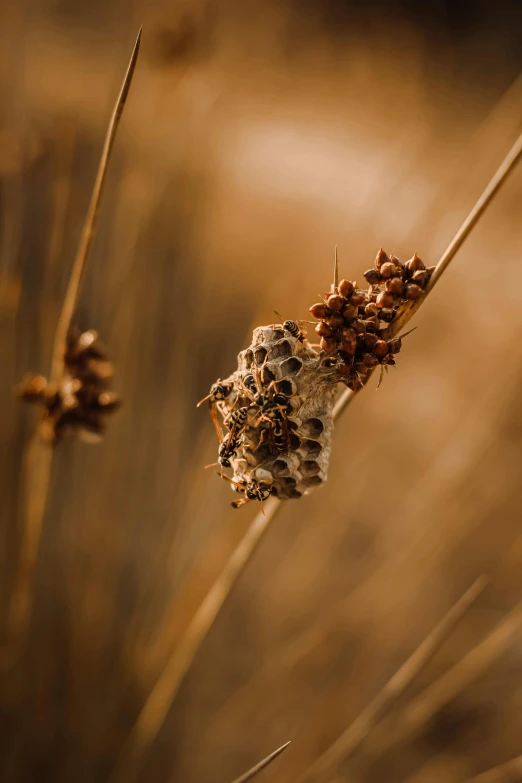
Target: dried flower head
<point>81,398</point>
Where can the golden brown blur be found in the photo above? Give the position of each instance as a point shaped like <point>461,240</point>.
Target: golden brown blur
<point>256,137</point>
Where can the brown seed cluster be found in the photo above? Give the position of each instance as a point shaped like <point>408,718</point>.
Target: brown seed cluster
<point>81,399</point>
<point>354,323</point>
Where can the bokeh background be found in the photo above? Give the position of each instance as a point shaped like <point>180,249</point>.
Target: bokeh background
<point>257,136</point>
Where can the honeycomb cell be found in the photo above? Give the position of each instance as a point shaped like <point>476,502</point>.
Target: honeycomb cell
<point>260,355</point>
<point>292,366</point>
<point>311,481</point>
<point>280,468</point>
<point>268,375</point>
<point>310,468</point>
<point>286,386</point>
<point>295,441</point>
<point>312,428</point>
<point>311,447</point>
<point>280,350</point>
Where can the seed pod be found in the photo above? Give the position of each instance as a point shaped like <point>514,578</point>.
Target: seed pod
<point>386,314</point>
<point>421,277</point>
<point>380,259</point>
<point>413,291</point>
<point>370,340</point>
<point>371,309</point>
<point>358,298</point>
<point>349,312</point>
<point>335,321</point>
<point>384,299</point>
<point>395,286</point>
<point>415,263</point>
<point>328,344</point>
<point>370,360</point>
<point>380,348</point>
<point>372,323</point>
<point>335,302</point>
<point>323,329</point>
<point>359,327</point>
<point>32,388</point>
<point>394,346</point>
<point>348,334</point>
<point>387,270</point>
<point>346,288</point>
<point>431,270</point>
<point>372,276</point>
<point>349,346</point>
<point>320,310</point>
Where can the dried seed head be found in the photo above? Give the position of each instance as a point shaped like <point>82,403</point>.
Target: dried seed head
<point>323,329</point>
<point>380,259</point>
<point>395,345</point>
<point>335,302</point>
<point>385,299</point>
<point>372,276</point>
<point>346,288</point>
<point>386,314</point>
<point>388,270</point>
<point>421,277</point>
<point>358,298</point>
<point>371,309</point>
<point>380,348</point>
<point>328,344</point>
<point>413,291</point>
<point>320,310</point>
<point>395,286</point>
<point>335,321</point>
<point>349,312</point>
<point>80,399</point>
<point>415,263</point>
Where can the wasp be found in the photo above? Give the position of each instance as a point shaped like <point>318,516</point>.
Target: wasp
<point>253,490</point>
<point>280,432</point>
<point>227,449</point>
<point>218,392</point>
<point>237,420</point>
<point>294,327</point>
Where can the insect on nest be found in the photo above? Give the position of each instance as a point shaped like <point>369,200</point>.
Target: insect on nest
<point>274,415</point>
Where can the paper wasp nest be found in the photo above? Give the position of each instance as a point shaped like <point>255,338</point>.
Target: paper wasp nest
<point>291,367</point>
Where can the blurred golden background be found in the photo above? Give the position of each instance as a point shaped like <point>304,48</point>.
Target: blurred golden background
<point>257,136</point>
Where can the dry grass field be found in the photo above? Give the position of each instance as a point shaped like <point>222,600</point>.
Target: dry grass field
<point>257,136</point>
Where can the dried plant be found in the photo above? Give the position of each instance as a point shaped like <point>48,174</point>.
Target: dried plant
<point>75,397</point>
<point>165,689</point>
<point>262,764</point>
<point>353,737</point>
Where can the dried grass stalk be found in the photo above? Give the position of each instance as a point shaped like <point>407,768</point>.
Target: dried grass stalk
<point>509,772</point>
<point>406,726</point>
<point>160,699</point>
<point>355,734</point>
<point>38,460</point>
<point>262,764</point>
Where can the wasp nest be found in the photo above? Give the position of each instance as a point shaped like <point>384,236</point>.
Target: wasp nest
<point>81,398</point>
<point>287,435</point>
<point>277,407</point>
